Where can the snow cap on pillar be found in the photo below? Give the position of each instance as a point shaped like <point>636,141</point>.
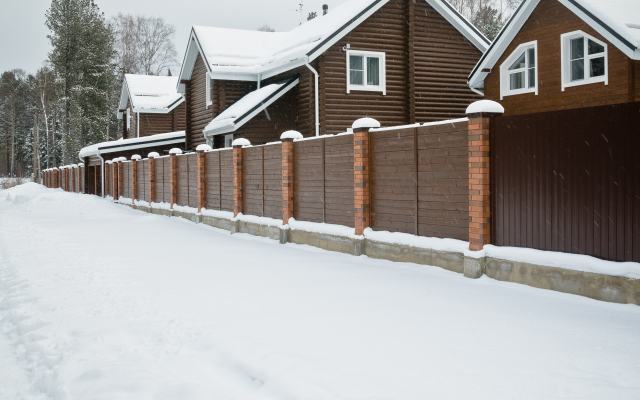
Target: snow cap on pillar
<point>203,147</point>
<point>153,154</point>
<point>136,157</point>
<point>74,165</point>
<point>81,165</point>
<point>291,135</point>
<point>175,150</point>
<point>240,142</point>
<point>364,123</point>
<point>108,162</point>
<point>485,107</point>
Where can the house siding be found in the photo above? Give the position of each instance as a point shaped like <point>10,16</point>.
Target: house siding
<point>548,21</point>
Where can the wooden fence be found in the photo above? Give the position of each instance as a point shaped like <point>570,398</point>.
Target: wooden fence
<point>568,181</point>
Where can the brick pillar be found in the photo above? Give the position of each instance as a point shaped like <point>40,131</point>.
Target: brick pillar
<point>237,174</point>
<point>120,177</point>
<point>66,178</point>
<point>152,177</point>
<point>173,167</point>
<point>479,114</point>
<point>287,139</point>
<point>361,171</point>
<point>201,174</point>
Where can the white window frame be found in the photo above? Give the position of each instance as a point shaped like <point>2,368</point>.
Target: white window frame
<point>565,53</point>
<point>208,89</point>
<point>383,72</point>
<point>128,118</point>
<point>228,140</point>
<point>505,85</point>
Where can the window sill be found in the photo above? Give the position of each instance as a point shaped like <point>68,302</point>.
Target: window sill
<point>366,89</point>
<point>602,79</point>
<point>517,92</point>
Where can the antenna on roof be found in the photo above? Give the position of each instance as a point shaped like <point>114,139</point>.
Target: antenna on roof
<point>300,10</point>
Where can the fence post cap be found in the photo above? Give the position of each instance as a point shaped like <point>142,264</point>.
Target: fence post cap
<point>291,135</point>
<point>240,142</point>
<point>203,147</point>
<point>136,157</point>
<point>153,154</point>
<point>108,161</point>
<point>485,107</point>
<point>81,164</point>
<point>121,159</point>
<point>365,123</point>
<point>74,165</point>
<point>175,150</point>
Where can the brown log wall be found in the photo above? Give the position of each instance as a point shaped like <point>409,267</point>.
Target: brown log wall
<point>419,181</point>
<point>568,181</point>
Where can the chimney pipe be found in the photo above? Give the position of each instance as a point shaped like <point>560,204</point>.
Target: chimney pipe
<point>325,9</point>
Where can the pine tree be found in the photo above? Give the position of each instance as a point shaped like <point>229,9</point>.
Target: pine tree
<point>81,57</point>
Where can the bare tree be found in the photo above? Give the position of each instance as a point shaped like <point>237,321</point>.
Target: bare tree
<point>266,28</point>
<point>487,15</point>
<point>144,44</point>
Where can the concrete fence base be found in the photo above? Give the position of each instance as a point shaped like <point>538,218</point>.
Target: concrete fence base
<point>613,289</point>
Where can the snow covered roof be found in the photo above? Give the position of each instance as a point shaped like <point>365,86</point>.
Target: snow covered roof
<point>617,20</point>
<point>244,55</point>
<point>150,94</point>
<point>248,106</point>
<point>131,144</point>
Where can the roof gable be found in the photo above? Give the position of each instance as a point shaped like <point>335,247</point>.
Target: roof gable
<point>607,19</point>
<point>150,93</point>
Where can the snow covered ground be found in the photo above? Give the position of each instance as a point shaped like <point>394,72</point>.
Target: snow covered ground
<point>99,301</point>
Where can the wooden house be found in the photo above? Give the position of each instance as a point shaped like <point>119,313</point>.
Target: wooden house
<point>563,54</point>
<point>150,105</point>
<point>399,61</point>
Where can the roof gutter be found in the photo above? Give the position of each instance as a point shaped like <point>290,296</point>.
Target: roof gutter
<point>317,105</point>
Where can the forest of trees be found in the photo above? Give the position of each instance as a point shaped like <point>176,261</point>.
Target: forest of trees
<point>71,101</point>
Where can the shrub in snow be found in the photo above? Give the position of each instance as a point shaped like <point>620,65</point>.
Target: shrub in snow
<point>136,157</point>
<point>175,150</point>
<point>153,154</point>
<point>203,147</point>
<point>241,142</point>
<point>485,106</point>
<point>365,123</point>
<point>291,135</point>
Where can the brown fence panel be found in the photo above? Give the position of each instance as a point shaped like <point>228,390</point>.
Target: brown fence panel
<point>213,188</point>
<point>145,178</point>
<point>183,180</point>
<point>128,179</point>
<point>193,179</point>
<point>139,166</point>
<point>394,201</point>
<point>339,207</point>
<point>308,180</point>
<point>252,181</point>
<point>226,162</point>
<point>166,177</point>
<point>443,181</point>
<point>568,181</point>
<point>273,181</point>
<point>159,178</point>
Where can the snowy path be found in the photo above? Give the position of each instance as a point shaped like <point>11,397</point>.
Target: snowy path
<point>98,301</point>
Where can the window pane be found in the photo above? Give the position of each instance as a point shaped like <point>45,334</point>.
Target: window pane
<point>577,48</point>
<point>597,66</point>
<point>532,77</point>
<point>355,62</point>
<point>595,48</point>
<point>516,81</point>
<point>373,71</point>
<point>577,70</point>
<point>519,63</point>
<point>532,58</point>
<point>357,77</point>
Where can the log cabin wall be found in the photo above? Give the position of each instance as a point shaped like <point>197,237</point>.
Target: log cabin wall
<point>549,20</point>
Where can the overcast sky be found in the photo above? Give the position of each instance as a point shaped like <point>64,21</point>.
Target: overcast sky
<point>23,34</point>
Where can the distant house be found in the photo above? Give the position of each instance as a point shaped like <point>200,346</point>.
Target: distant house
<point>399,61</point>
<point>563,54</point>
<point>150,105</point>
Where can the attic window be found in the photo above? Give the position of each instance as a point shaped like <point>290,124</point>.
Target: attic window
<point>584,60</point>
<point>519,72</point>
<point>366,71</point>
<point>208,87</point>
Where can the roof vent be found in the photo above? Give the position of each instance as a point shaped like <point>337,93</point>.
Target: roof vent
<point>325,9</point>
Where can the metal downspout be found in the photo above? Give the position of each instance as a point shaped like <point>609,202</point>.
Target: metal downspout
<point>306,62</point>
